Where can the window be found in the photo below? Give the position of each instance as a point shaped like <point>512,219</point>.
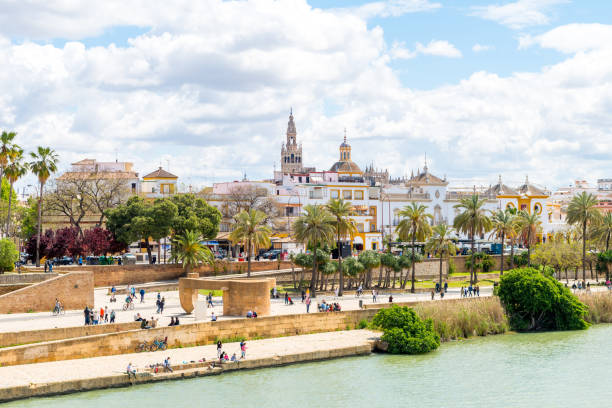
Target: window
<point>360,227</point>
<point>374,246</point>
<point>133,188</point>
<point>347,194</point>
<point>358,195</point>
<point>373,211</point>
<point>334,194</point>
<point>372,227</point>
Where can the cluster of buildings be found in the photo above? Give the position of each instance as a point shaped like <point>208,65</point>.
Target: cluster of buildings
<point>376,197</point>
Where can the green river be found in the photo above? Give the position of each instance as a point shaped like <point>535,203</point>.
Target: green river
<point>566,369</point>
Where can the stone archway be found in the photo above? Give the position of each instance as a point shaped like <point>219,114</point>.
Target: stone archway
<point>239,295</point>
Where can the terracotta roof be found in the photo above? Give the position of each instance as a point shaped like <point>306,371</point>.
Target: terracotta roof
<point>501,189</point>
<point>425,177</point>
<point>160,173</point>
<point>346,166</point>
<point>530,190</point>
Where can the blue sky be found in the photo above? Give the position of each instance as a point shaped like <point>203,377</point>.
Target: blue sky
<point>207,85</point>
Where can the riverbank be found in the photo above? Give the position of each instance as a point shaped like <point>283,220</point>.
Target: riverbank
<point>69,376</point>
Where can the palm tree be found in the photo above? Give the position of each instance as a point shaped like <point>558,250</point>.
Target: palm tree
<point>314,228</point>
<point>43,165</point>
<point>14,171</point>
<point>503,223</point>
<point>441,244</point>
<point>6,146</point>
<point>414,225</point>
<point>189,250</point>
<point>252,231</point>
<point>530,225</point>
<point>344,226</point>
<point>603,230</point>
<point>471,221</point>
<point>582,210</point>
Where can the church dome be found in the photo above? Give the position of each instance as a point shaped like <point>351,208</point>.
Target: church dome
<point>347,166</point>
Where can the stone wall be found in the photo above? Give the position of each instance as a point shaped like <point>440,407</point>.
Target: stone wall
<point>19,278</point>
<point>74,290</point>
<point>459,262</point>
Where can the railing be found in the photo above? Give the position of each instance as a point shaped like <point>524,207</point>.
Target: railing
<point>458,195</point>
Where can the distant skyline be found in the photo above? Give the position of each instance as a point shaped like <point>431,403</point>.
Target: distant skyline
<point>484,87</point>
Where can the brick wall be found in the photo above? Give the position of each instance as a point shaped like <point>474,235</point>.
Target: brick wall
<point>460,263</point>
<point>74,290</point>
<point>18,278</point>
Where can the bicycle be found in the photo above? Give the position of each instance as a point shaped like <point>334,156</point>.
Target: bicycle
<point>144,346</point>
<point>128,305</point>
<point>159,344</point>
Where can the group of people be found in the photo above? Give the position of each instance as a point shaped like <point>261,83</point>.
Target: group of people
<point>581,285</point>
<point>470,291</point>
<point>288,300</point>
<point>94,317</point>
<point>329,307</point>
<point>160,303</point>
<point>251,314</point>
<point>174,321</point>
<point>144,323</point>
<point>224,358</point>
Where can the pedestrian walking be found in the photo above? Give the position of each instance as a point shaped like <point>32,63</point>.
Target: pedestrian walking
<point>303,296</point>
<point>46,266</point>
<point>142,293</point>
<point>243,349</point>
<point>210,302</point>
<point>432,294</point>
<point>101,314</point>
<point>112,317</point>
<point>308,304</point>
<point>374,295</point>
<point>96,316</point>
<point>220,348</point>
<point>86,313</point>
<point>286,298</point>
<point>162,304</point>
<point>106,316</point>
<point>470,289</point>
<point>478,290</point>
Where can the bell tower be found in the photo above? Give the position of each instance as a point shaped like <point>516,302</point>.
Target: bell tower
<point>291,151</point>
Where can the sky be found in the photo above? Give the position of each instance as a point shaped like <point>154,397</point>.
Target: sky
<point>482,88</point>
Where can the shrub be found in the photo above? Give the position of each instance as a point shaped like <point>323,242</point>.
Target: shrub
<point>405,332</point>
<point>8,255</point>
<point>534,301</point>
<point>363,323</point>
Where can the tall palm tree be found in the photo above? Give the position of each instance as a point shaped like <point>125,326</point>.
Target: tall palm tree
<point>414,225</point>
<point>530,225</point>
<point>13,172</point>
<point>471,221</point>
<point>503,223</point>
<point>44,164</point>
<point>344,226</point>
<point>441,244</point>
<point>189,250</point>
<point>314,228</point>
<point>252,231</point>
<point>582,210</point>
<point>603,230</point>
<point>6,146</point>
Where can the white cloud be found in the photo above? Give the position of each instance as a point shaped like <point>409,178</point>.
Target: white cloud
<point>394,8</point>
<point>212,96</point>
<point>482,48</point>
<point>518,14</point>
<point>436,48</point>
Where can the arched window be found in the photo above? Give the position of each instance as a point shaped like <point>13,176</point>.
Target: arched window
<point>292,158</point>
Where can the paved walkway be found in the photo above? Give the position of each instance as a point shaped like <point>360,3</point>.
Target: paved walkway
<point>112,365</point>
<point>37,321</point>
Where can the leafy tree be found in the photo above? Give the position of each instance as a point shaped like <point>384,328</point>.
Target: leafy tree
<point>352,268</point>
<point>8,255</point>
<point>43,164</point>
<point>441,244</point>
<point>63,239</point>
<point>534,301</point>
<point>29,218</point>
<point>369,259</point>
<point>479,261</point>
<point>314,228</point>
<point>530,226</point>
<point>6,149</point>
<point>344,226</point>
<point>603,231</point>
<point>582,210</point>
<point>405,262</point>
<point>99,241</point>
<point>195,214</point>
<point>13,172</point>
<point>503,224</point>
<point>471,221</point>
<point>138,220</point>
<point>405,332</point>
<point>414,226</point>
<point>189,251</point>
<point>251,230</point>
<point>605,259</point>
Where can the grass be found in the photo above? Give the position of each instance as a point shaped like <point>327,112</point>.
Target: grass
<point>214,292</point>
<point>460,320</point>
<point>234,339</point>
<point>600,307</point>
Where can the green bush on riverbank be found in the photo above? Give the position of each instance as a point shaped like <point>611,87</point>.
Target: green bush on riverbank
<point>405,332</point>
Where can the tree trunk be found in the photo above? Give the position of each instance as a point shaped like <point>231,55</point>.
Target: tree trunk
<point>249,258</point>
<point>313,279</point>
<point>501,267</point>
<point>566,277</point>
<point>293,275</point>
<point>584,226</point>
<point>441,272</point>
<point>148,250</point>
<point>39,226</point>
<point>512,253</point>
<point>8,217</point>
<point>412,290</point>
<point>472,273</point>
<point>596,275</point>
<point>529,248</point>
<point>341,282</point>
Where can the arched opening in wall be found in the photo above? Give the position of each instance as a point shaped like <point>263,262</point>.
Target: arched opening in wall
<point>358,244</point>
<point>437,214</point>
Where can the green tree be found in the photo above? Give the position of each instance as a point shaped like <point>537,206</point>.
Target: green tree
<point>314,228</point>
<point>414,226</point>
<point>13,172</point>
<point>6,149</point>
<point>534,301</point>
<point>503,224</point>
<point>195,214</point>
<point>352,268</point>
<point>43,164</point>
<point>190,252</point>
<point>344,226</point>
<point>29,218</point>
<point>582,210</point>
<point>369,259</point>
<point>405,332</point>
<point>441,244</point>
<point>8,255</point>
<point>530,226</point>
<point>251,230</point>
<point>603,231</point>
<point>472,221</point>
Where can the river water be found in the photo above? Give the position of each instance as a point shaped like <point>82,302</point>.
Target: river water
<point>563,369</point>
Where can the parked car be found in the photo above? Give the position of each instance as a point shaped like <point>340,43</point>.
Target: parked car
<point>273,254</point>
<point>65,260</point>
<point>128,259</point>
